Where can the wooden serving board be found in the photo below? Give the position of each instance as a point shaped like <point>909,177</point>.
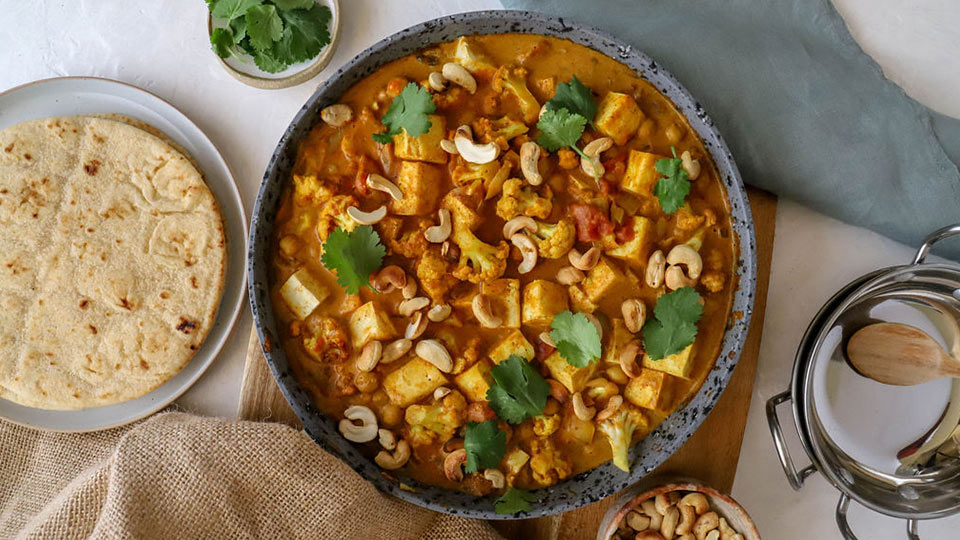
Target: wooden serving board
<point>711,455</point>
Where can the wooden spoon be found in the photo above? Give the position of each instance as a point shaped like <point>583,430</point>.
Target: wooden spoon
<point>899,354</point>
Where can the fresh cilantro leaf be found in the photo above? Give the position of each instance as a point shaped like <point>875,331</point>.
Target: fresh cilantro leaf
<point>353,256</point>
<point>485,445</point>
<point>305,33</point>
<point>576,337</point>
<point>575,97</point>
<point>514,501</point>
<point>673,187</point>
<point>239,28</point>
<point>286,5</point>
<point>559,128</point>
<point>518,391</point>
<point>264,27</point>
<point>675,326</point>
<point>408,111</point>
<point>231,9</point>
<point>222,41</point>
<point>266,61</point>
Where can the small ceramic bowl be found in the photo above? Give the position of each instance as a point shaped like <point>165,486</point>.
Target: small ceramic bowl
<point>722,504</point>
<point>248,73</point>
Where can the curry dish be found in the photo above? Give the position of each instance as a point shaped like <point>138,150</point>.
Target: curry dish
<point>468,362</point>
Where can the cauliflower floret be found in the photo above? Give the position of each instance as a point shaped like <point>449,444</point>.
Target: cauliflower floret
<point>437,422</point>
<point>554,240</point>
<point>548,465</point>
<point>713,281</point>
<point>568,159</point>
<point>333,214</point>
<point>619,430</point>
<point>479,261</point>
<point>468,55</point>
<point>545,425</point>
<point>498,131</point>
<point>325,340</point>
<point>463,203</point>
<point>514,80</point>
<point>465,173</point>
<point>404,236</point>
<point>516,201</point>
<point>309,190</point>
<point>433,272</point>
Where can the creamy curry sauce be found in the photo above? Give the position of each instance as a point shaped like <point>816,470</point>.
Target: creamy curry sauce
<point>341,158</point>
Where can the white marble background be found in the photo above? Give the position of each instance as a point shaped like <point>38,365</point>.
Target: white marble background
<point>162,46</point>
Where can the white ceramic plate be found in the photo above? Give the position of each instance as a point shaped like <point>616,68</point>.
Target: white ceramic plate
<point>89,95</point>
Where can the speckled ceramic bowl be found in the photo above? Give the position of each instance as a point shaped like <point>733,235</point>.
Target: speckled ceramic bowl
<point>584,488</point>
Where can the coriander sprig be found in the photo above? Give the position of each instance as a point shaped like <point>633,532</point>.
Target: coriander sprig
<point>576,337</point>
<point>675,325</point>
<point>409,111</point>
<point>674,185</point>
<point>353,256</point>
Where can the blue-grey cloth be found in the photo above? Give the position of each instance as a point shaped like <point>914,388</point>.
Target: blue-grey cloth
<point>807,114</point>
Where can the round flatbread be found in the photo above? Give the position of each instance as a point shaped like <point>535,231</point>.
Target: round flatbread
<point>112,258</point>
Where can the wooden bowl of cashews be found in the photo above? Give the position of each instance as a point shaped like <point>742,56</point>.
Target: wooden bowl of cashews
<point>679,510</point>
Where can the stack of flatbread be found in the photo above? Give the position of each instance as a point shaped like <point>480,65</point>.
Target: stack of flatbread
<point>112,258</point>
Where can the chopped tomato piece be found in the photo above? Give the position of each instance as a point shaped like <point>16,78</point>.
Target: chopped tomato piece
<point>592,224</point>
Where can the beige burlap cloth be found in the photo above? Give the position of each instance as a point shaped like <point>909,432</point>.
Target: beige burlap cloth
<point>181,476</point>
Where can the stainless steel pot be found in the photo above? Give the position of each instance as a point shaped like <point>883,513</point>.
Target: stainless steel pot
<point>880,445</point>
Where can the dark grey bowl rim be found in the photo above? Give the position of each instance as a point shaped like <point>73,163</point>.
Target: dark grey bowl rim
<point>587,487</point>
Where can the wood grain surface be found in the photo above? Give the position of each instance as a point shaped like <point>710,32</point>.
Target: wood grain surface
<point>711,455</point>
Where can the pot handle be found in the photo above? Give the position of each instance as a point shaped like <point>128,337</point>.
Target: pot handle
<point>933,238</point>
<point>847,532</point>
<point>780,443</point>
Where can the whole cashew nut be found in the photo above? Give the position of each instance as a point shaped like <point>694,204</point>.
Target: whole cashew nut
<point>688,516</point>
<point>471,151</point>
<point>379,183</point>
<point>653,277</point>
<point>366,431</point>
<point>628,359</point>
<point>449,147</point>
<point>558,391</point>
<point>495,477</point>
<point>580,409</point>
<point>591,164</point>
<point>637,521</point>
<point>705,523</point>
<point>569,275</point>
<point>412,305</point>
<point>434,352</point>
<point>685,255</point>
<point>692,166</point>
<point>453,465</point>
<point>397,459</point>
<point>676,279</point>
<point>662,503</point>
<point>698,501</point>
<point>438,233</point>
<point>613,404</point>
<point>336,115</point>
<point>649,534</point>
<point>727,532</point>
<point>650,509</point>
<point>440,393</point>
<point>388,441</point>
<point>527,249</point>
<point>483,311</point>
<point>439,312</point>
<point>634,313</point>
<point>586,261</point>
<point>416,327</point>
<point>367,218</point>
<point>370,356</point>
<point>389,278</point>
<point>395,350</point>
<point>529,162</point>
<point>437,81</point>
<point>410,289</point>
<point>668,526</point>
<point>517,224</point>
<point>458,74</point>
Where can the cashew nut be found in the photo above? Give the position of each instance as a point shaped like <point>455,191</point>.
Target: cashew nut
<point>692,166</point>
<point>650,509</point>
<point>367,218</point>
<point>379,183</point>
<point>434,352</point>
<point>668,526</point>
<point>676,279</point>
<point>483,311</point>
<point>637,521</point>
<point>688,516</point>
<point>336,115</point>
<point>726,531</point>
<point>438,233</point>
<point>706,523</point>
<point>688,536</point>
<point>439,312</point>
<point>369,356</point>
<point>648,534</point>
<point>452,445</point>
<point>436,81</point>
<point>450,251</point>
<point>586,261</point>
<point>685,255</point>
<point>662,503</point>
<point>628,359</point>
<point>698,501</point>
<point>558,391</point>
<point>366,431</point>
<point>529,160</point>
<point>457,74</point>
<point>527,249</point>
<point>655,269</point>
<point>591,164</point>
<point>440,393</point>
<point>471,151</point>
<point>634,314</point>
<point>389,278</point>
<point>395,350</point>
<point>416,327</point>
<point>569,275</point>
<point>397,459</point>
<point>410,289</point>
<point>453,465</point>
<point>517,224</point>
<point>613,404</point>
<point>495,477</point>
<point>546,339</point>
<point>713,535</point>
<point>449,147</point>
<point>580,409</point>
<point>388,441</point>
<point>408,307</point>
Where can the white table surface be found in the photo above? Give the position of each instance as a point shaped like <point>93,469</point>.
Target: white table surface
<point>162,47</point>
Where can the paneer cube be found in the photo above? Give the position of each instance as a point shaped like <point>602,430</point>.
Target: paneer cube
<point>412,382</point>
<point>420,184</point>
<point>426,146</point>
<point>641,175</point>
<point>572,377</point>
<point>303,293</point>
<point>679,364</point>
<point>514,462</point>
<point>604,278</point>
<point>473,382</point>
<point>369,322</point>
<point>505,298</point>
<point>637,249</point>
<point>579,300</point>
<point>651,390</point>
<point>618,117</point>
<point>618,338</point>
<point>542,300</point>
<point>515,343</point>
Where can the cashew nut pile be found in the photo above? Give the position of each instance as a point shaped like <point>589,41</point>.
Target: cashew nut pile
<point>676,515</point>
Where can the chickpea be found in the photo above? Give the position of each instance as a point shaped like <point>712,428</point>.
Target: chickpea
<point>674,134</point>
<point>390,414</point>
<point>616,374</point>
<point>647,128</point>
<point>289,245</point>
<point>366,382</point>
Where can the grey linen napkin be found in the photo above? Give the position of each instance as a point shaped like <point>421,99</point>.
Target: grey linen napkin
<point>807,114</point>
